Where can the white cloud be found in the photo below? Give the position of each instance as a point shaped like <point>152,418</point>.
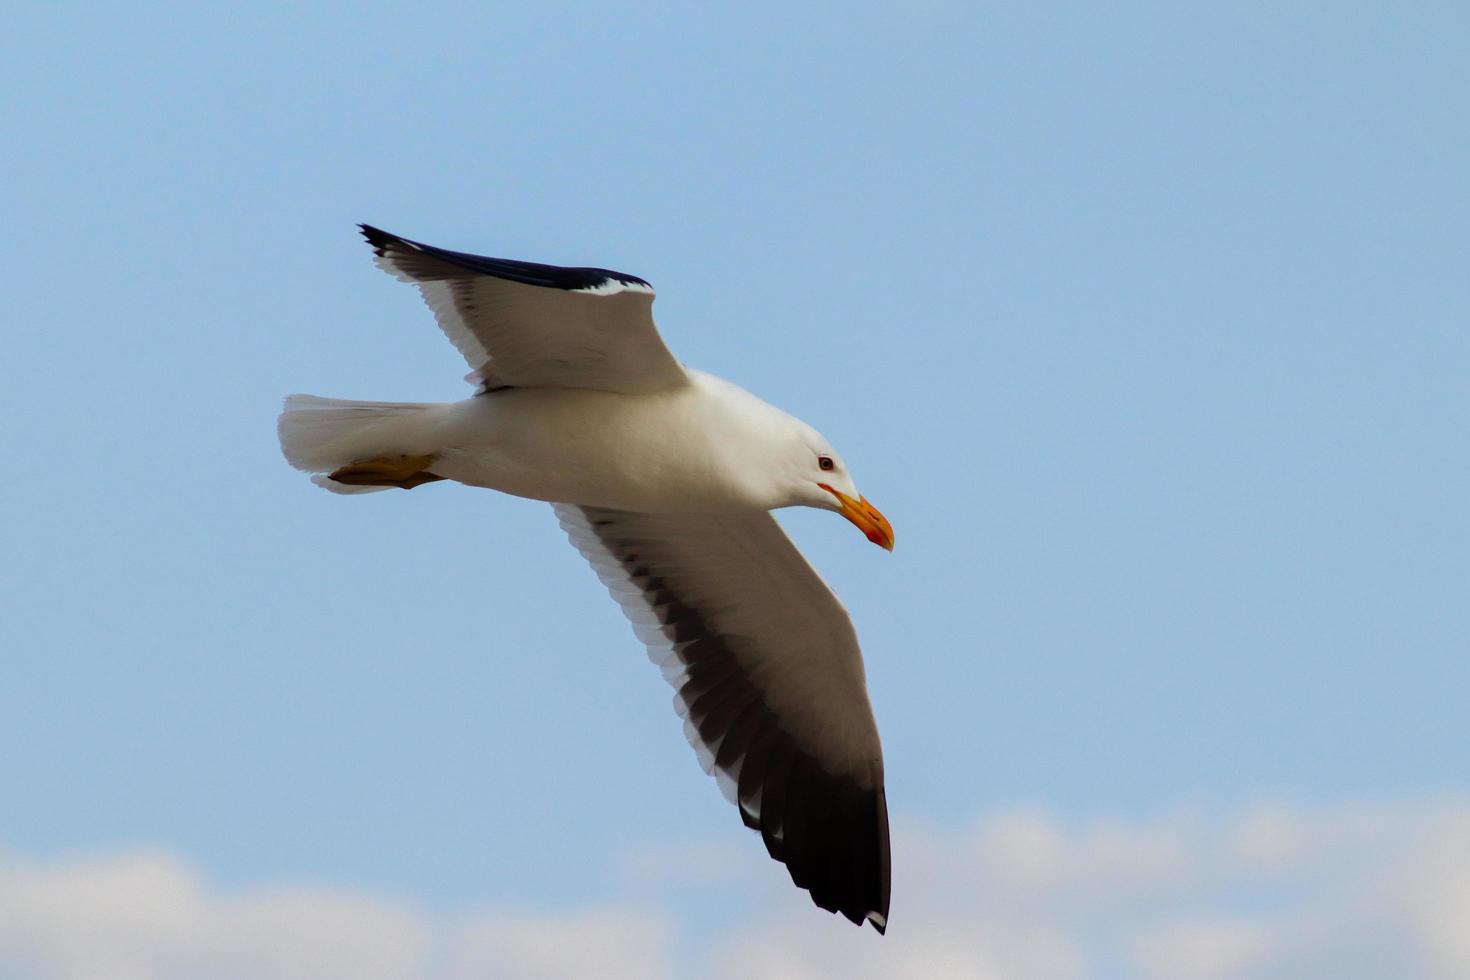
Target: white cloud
<point>606,944</point>
<point>148,916</point>
<point>1200,949</point>
<point>1273,892</point>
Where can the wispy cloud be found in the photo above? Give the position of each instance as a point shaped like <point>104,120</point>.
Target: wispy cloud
<point>1273,892</point>
<point>149,916</point>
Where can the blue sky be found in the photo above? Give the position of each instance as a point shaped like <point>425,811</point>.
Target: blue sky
<point>1145,325</point>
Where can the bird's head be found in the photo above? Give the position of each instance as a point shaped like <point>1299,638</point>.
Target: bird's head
<point>822,480</point>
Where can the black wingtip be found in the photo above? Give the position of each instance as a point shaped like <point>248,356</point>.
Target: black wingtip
<point>530,273</point>
<point>377,237</point>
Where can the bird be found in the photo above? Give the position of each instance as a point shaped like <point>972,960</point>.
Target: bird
<point>664,478</point>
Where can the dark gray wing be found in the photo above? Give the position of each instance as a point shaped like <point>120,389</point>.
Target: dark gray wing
<point>524,324</point>
<point>769,680</point>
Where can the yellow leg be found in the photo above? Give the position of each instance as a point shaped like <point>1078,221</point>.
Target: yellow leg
<point>388,471</point>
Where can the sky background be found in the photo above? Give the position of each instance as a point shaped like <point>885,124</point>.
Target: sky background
<point>1146,325</point>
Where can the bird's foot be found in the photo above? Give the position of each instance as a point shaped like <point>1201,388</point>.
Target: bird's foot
<point>406,472</point>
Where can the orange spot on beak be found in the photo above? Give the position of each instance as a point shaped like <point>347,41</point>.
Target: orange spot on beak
<point>865,516</point>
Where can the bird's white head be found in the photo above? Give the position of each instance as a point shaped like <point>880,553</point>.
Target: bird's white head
<point>780,461</point>
<point>823,480</point>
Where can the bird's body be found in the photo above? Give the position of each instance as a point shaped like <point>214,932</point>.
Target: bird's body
<point>663,477</point>
<point>640,452</point>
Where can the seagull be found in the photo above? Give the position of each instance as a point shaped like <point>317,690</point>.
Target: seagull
<point>664,478</point>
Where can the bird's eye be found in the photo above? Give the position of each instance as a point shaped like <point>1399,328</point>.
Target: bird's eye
<point>825,462</point>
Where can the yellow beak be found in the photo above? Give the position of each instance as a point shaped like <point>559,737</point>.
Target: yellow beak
<point>865,516</point>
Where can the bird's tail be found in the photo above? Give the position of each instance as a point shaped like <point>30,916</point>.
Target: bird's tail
<point>358,447</point>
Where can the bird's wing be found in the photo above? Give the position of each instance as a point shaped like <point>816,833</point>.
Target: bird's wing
<point>522,324</point>
<point>769,680</point>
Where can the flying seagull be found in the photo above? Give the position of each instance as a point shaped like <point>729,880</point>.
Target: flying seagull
<point>664,478</point>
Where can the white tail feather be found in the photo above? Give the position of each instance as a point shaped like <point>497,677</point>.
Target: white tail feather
<point>319,435</point>
<point>327,483</point>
